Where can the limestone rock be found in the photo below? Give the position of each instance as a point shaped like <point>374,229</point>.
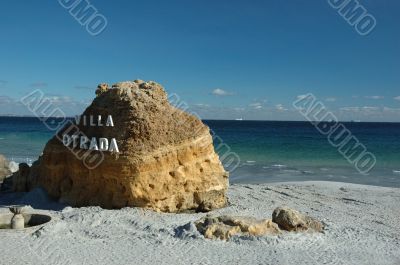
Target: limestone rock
<point>166,159</point>
<point>4,168</point>
<point>224,227</point>
<point>292,220</point>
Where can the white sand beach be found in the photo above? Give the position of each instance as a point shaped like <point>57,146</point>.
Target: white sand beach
<point>362,226</point>
<point>200,132</point>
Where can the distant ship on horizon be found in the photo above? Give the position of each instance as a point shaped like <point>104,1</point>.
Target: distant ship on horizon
<point>239,119</point>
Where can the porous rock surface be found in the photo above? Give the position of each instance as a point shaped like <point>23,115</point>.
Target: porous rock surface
<point>166,161</point>
<point>224,227</point>
<point>292,220</point>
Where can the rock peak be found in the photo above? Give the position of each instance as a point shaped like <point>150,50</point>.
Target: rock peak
<point>128,89</point>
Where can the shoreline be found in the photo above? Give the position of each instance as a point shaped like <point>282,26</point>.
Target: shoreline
<point>317,182</point>
<point>267,174</point>
<point>362,216</point>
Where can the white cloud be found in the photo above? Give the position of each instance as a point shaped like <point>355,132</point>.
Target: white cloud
<point>280,107</point>
<point>221,92</point>
<point>58,99</point>
<point>392,110</point>
<point>302,96</point>
<point>330,99</point>
<point>67,105</point>
<point>370,108</point>
<point>239,109</point>
<point>255,105</point>
<point>397,98</point>
<point>350,109</point>
<point>374,97</point>
<point>364,109</point>
<point>201,105</point>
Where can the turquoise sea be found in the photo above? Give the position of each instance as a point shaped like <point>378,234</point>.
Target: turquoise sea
<point>268,151</point>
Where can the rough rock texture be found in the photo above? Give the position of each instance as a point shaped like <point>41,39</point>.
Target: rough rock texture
<point>166,161</point>
<point>292,220</point>
<point>4,168</point>
<point>20,179</point>
<point>224,227</point>
<point>101,89</point>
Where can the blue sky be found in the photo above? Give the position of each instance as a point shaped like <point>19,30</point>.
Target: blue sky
<point>226,59</point>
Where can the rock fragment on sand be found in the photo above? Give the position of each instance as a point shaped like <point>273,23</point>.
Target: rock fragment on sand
<point>224,227</point>
<point>292,220</point>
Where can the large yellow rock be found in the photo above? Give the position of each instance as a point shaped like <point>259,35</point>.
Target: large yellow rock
<point>166,159</point>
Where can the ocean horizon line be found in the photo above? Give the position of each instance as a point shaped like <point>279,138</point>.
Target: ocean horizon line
<point>241,120</point>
